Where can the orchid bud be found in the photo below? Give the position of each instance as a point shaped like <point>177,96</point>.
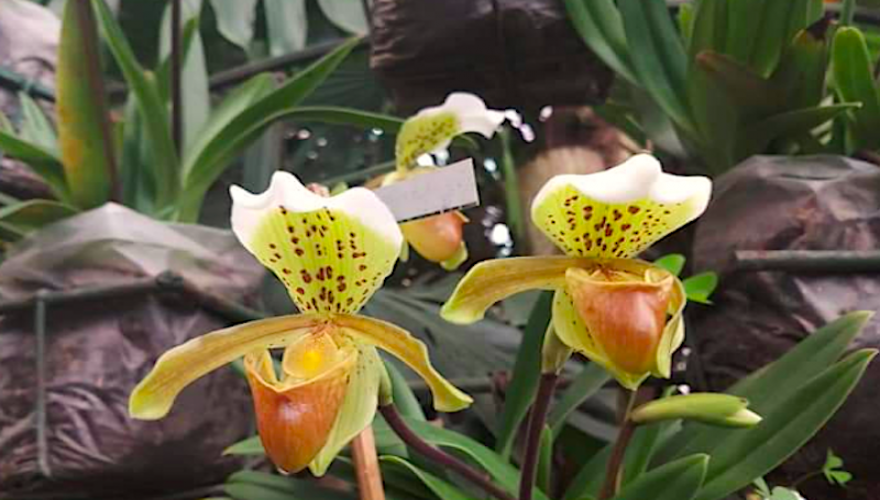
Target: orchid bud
<point>709,408</point>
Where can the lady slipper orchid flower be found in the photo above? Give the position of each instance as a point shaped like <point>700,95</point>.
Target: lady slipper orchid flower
<point>622,313</point>
<point>332,254</point>
<point>439,238</point>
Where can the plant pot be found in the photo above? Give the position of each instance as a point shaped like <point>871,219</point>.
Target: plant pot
<point>782,203</point>
<point>521,54</point>
<point>64,424</point>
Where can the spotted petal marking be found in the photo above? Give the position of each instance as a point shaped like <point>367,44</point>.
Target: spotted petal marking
<point>332,254</point>
<point>620,212</point>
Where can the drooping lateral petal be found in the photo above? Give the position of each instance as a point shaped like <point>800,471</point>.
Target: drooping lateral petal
<point>358,407</point>
<point>491,281</point>
<point>180,366</point>
<point>332,254</point>
<point>619,212</point>
<point>401,344</point>
<point>296,420</point>
<point>432,129</point>
<point>571,331</point>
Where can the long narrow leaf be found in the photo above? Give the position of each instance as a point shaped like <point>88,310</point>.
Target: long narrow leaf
<point>585,384</point>
<point>679,480</point>
<point>853,78</point>
<point>741,458</point>
<point>441,488</point>
<point>84,138</point>
<point>35,126</point>
<point>43,162</point>
<point>657,55</point>
<point>599,24</point>
<point>207,162</point>
<point>32,215</point>
<point>526,372</point>
<point>153,113</point>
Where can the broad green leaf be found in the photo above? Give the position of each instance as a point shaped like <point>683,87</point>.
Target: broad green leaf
<point>398,480</point>
<point>506,476</point>
<point>35,126</point>
<point>204,164</point>
<point>679,480</point>
<point>584,385</point>
<point>250,446</point>
<point>441,488</point>
<point>43,162</point>
<point>599,24</point>
<point>699,287</point>
<point>136,180</point>
<point>658,56</point>
<point>252,485</point>
<point>673,263</point>
<point>742,28</point>
<point>348,15</point>
<point>152,110</point>
<point>31,215</point>
<point>286,26</point>
<point>812,355</point>
<point>86,147</point>
<point>526,373</point>
<point>853,78</point>
<point>236,20</point>
<point>739,458</point>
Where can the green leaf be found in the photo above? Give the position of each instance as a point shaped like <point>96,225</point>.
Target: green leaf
<point>43,162</point>
<point>709,29</point>
<point>812,355</point>
<point>348,15</point>
<point>673,263</point>
<point>700,287</point>
<point>85,143</point>
<point>742,29</point>
<point>286,26</point>
<point>31,215</point>
<point>250,446</point>
<point>152,110</point>
<point>679,480</point>
<point>212,154</point>
<point>35,127</point>
<point>738,458</point>
<point>235,20</point>
<point>853,78</point>
<point>526,373</point>
<point>251,485</point>
<point>599,24</point>
<point>545,461</point>
<point>583,386</point>
<point>755,138</point>
<point>833,470</point>
<point>404,399</point>
<point>441,488</point>
<point>506,476</point>
<point>658,56</point>
<point>779,21</point>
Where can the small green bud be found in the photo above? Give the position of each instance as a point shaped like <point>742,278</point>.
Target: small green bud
<point>709,408</point>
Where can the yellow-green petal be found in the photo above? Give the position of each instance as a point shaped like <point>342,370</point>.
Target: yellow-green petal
<point>432,129</point>
<point>332,254</point>
<point>413,352</point>
<point>491,281</point>
<point>358,407</point>
<point>619,212</point>
<point>180,366</point>
<point>673,334</point>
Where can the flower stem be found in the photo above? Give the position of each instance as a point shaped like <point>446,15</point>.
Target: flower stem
<point>533,435</point>
<point>396,422</point>
<point>615,462</point>
<point>366,463</point>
